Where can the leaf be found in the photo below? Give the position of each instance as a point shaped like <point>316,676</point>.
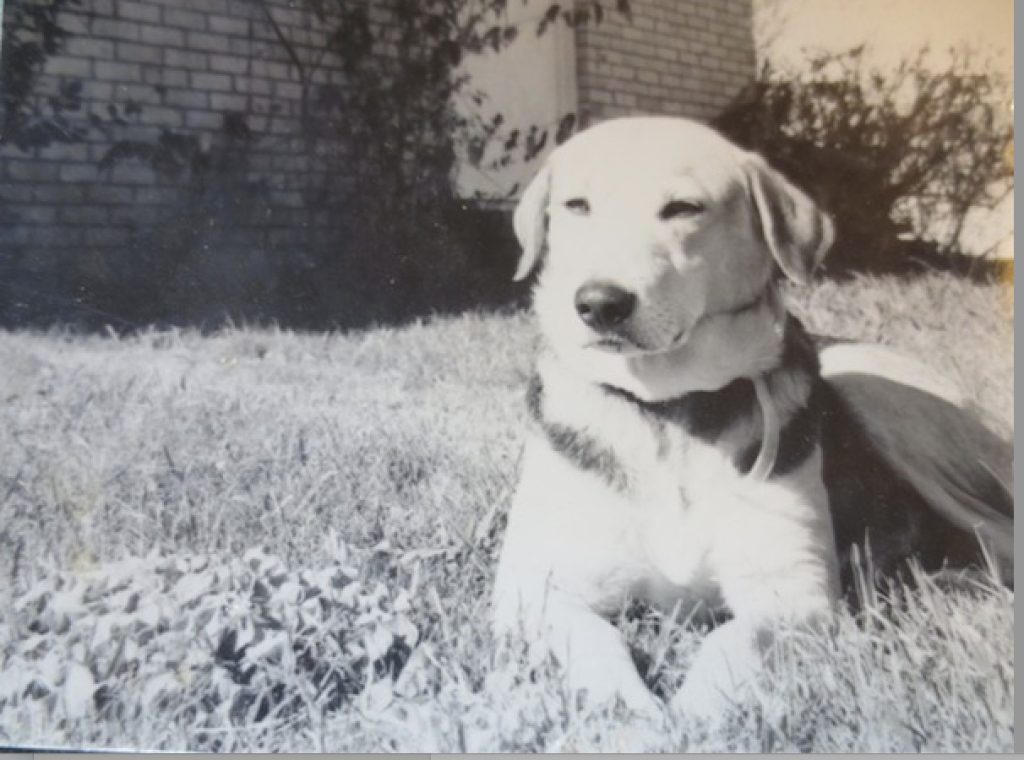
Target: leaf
<point>159,685</point>
<point>548,18</point>
<point>79,686</point>
<point>378,642</point>
<point>566,127</point>
<point>191,587</point>
<point>378,695</point>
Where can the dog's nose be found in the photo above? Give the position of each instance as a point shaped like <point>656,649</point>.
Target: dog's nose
<point>603,306</point>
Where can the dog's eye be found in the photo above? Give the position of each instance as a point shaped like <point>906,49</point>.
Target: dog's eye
<point>679,209</point>
<point>578,206</point>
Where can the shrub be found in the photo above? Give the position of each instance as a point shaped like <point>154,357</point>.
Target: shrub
<point>382,236</point>
<point>898,158</point>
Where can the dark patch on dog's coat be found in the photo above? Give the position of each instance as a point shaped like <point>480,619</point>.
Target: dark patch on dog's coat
<point>869,501</point>
<point>583,450</point>
<point>802,431</point>
<point>797,440</point>
<point>707,415</point>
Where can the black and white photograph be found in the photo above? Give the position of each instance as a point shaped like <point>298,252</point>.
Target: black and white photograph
<point>463,376</point>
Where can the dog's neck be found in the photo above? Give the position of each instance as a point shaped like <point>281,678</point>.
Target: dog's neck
<point>745,342</point>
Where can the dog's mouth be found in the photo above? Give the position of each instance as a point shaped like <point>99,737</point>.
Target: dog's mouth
<point>626,345</point>
<point>629,346</point>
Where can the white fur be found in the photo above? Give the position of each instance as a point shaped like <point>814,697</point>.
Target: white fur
<point>870,359</point>
<point>696,534</point>
<point>687,528</point>
<point>680,525</point>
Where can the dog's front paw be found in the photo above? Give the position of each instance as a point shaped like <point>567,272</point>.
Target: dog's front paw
<point>602,690</point>
<point>723,675</point>
<point>701,701</point>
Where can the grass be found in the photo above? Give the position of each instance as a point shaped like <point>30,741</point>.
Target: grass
<point>262,540</point>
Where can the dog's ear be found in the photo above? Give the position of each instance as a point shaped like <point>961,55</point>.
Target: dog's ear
<point>531,221</point>
<point>797,231</point>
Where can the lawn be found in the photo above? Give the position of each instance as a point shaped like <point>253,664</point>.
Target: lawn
<point>264,540</point>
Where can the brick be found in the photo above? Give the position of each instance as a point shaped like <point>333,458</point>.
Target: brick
<point>163,36</point>
<point>165,76</point>
<point>89,47</point>
<point>58,237</point>
<point>186,59</point>
<point>279,126</point>
<point>97,152</point>
<point>184,19</point>
<point>271,70</point>
<point>671,80</point>
<point>161,116</point>
<point>84,214</point>
<point>78,173</point>
<point>104,236</point>
<point>228,63</point>
<point>75,23</point>
<point>135,53</point>
<point>118,72</point>
<point>58,194</point>
<point>131,173</point>
<point>135,215</point>
<point>187,98</point>
<point>219,7</point>
<point>291,90</point>
<point>12,235</point>
<point>142,94</point>
<point>284,16</point>
<point>31,171</point>
<point>115,28</point>
<point>63,65</point>
<point>138,11</point>
<point>228,25</point>
<point>252,85</point>
<point>34,214</point>
<point>111,194</point>
<point>203,41</point>
<point>205,81</point>
<point>224,102</point>
<point>241,46</point>
<point>159,196</point>
<point>65,152</point>
<point>203,120</point>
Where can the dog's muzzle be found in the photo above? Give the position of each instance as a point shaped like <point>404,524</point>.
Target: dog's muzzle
<point>603,306</point>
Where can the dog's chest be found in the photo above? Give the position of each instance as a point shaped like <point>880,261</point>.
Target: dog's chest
<point>669,488</point>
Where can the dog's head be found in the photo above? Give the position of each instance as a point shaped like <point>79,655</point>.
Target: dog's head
<point>644,229</point>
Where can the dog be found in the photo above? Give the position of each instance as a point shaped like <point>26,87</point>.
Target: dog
<point>690,443</point>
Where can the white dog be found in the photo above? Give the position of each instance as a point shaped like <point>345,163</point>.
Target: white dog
<point>685,447</point>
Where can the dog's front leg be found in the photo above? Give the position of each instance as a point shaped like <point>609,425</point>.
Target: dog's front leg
<point>727,665</point>
<point>588,647</point>
<point>565,560</point>
<point>776,568</point>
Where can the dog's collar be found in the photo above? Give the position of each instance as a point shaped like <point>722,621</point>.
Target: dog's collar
<point>770,431</point>
<point>768,452</point>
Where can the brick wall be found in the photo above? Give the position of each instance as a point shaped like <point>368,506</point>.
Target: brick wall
<point>184,63</point>
<point>681,57</point>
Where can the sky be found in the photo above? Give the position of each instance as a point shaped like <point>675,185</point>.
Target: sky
<point>893,28</point>
<point>785,30</point>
